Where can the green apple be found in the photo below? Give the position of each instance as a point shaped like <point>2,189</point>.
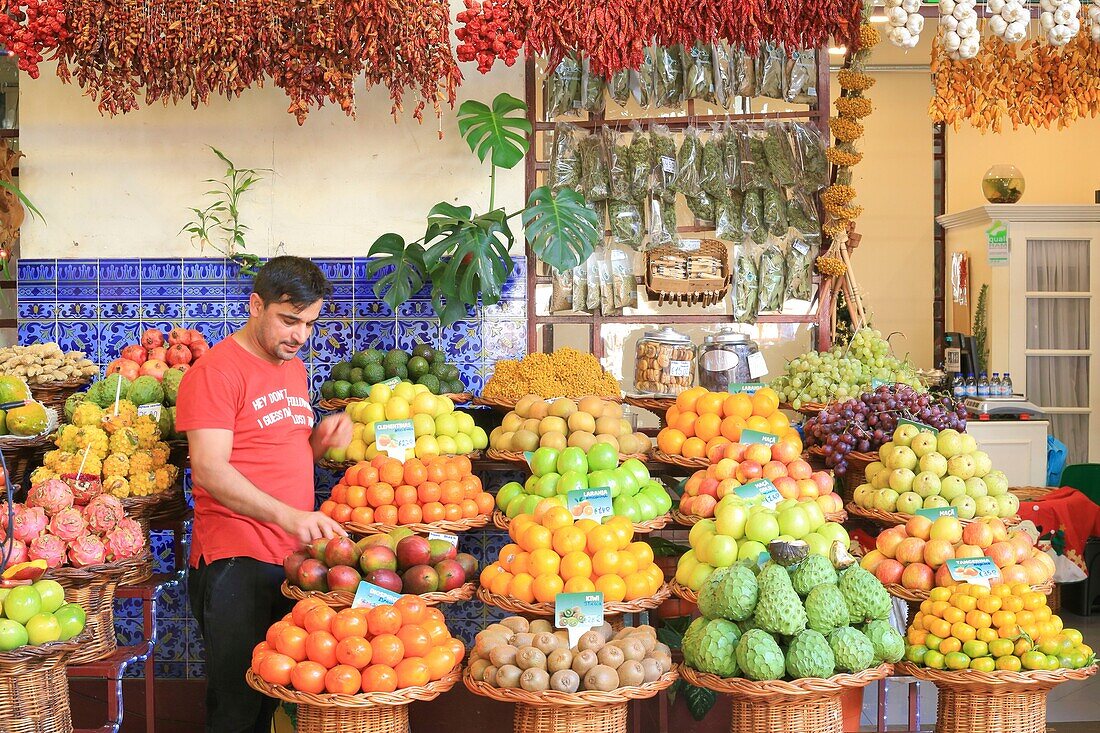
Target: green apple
<point>515,506</point>
<point>699,575</point>
<point>968,444</point>
<point>730,520</point>
<point>750,550</point>
<point>965,506</point>
<point>626,506</point>
<point>52,594</point>
<point>762,527</point>
<point>722,551</point>
<point>572,481</point>
<point>701,529</point>
<point>22,603</point>
<point>926,483</point>
<point>818,544</point>
<point>530,484</point>
<point>976,488</point>
<point>628,481</point>
<point>886,500</point>
<point>547,485</point>
<point>996,482</point>
<point>685,566</point>
<point>1009,505</point>
<point>602,457</point>
<point>43,628</point>
<point>479,438</point>
<point>986,506</point>
<point>572,459</point>
<point>982,463</point>
<point>794,521</point>
<point>814,513</point>
<point>660,498</point>
<point>833,532</point>
<point>923,444</point>
<point>647,507</point>
<point>508,492</point>
<point>636,467</point>
<point>543,461</point>
<point>12,635</point>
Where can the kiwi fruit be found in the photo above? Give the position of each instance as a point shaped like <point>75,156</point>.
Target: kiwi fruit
<point>497,628</point>
<point>525,638</point>
<point>664,660</point>
<point>556,441</point>
<point>551,424</point>
<point>477,669</point>
<point>511,422</point>
<point>601,677</point>
<point>624,430</point>
<point>611,656</point>
<point>565,680</point>
<point>649,643</point>
<point>563,638</point>
<point>563,407</point>
<point>593,405</point>
<point>534,680</point>
<point>518,624</point>
<point>581,422</point>
<point>559,659</point>
<point>645,629</point>
<point>606,631</point>
<point>624,632</point>
<point>489,676</point>
<point>582,440</point>
<point>584,661</point>
<point>528,657</point>
<point>631,673</point>
<point>502,655</point>
<point>523,405</point>
<point>525,440</point>
<point>661,648</point>
<point>508,676</point>
<point>545,642</point>
<point>652,669</point>
<point>591,639</point>
<point>504,442</point>
<point>609,439</point>
<point>540,625</point>
<point>632,649</point>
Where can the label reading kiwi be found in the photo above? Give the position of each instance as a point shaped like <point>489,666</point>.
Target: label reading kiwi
<point>936,512</point>
<point>368,595</point>
<point>755,436</point>
<point>973,570</point>
<point>593,503</point>
<point>919,426</point>
<point>577,613</point>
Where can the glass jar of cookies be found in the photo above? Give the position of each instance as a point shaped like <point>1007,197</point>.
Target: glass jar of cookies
<point>664,363</point>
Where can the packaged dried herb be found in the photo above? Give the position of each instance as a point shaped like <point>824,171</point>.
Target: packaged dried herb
<point>627,224</point>
<point>809,144</point>
<point>802,77</point>
<point>565,169</point>
<point>755,172</point>
<point>689,163</point>
<point>624,286</point>
<point>702,206</point>
<point>561,292</point>
<point>618,87</point>
<point>745,287</point>
<point>607,291</point>
<point>775,210</point>
<point>712,178</point>
<point>563,87</point>
<point>772,70</point>
<point>663,162</point>
<point>592,86</point>
<point>617,149</point>
<point>780,153</point>
<point>668,77</point>
<point>752,216</point>
<point>800,268</point>
<point>802,213</point>
<point>640,164</point>
<point>731,154</point>
<point>724,91</point>
<point>771,276</point>
<point>744,78</point>
<point>580,287</point>
<point>699,73</point>
<point>592,301</point>
<point>662,222</point>
<point>642,80</point>
<point>595,182</point>
<point>727,216</point>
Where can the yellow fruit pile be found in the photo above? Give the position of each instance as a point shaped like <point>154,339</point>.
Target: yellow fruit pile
<point>564,373</point>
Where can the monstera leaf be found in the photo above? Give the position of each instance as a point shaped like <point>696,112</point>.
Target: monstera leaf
<point>491,130</point>
<point>408,273</point>
<point>562,231</point>
<point>467,257</point>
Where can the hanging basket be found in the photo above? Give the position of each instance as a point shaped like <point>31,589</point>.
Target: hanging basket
<point>993,702</point>
<point>343,599</point>
<point>688,277</point>
<point>536,608</point>
<point>34,690</point>
<point>458,525</point>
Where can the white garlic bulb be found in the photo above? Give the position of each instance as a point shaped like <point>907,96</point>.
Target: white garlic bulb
<point>904,15</point>
<point>960,29</point>
<point>1016,32</point>
<point>1063,24</point>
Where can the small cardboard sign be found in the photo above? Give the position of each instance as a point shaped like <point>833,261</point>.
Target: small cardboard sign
<point>152,410</point>
<point>745,387</point>
<point>577,613</point>
<point>592,503</point>
<point>934,513</point>
<point>973,570</point>
<point>394,437</point>
<point>451,538</point>
<point>919,426</point>
<point>369,595</point>
<point>763,488</point>
<point>679,369</point>
<point>755,436</point>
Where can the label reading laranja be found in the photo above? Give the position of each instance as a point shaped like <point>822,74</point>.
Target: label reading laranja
<point>593,503</point>
<point>745,387</point>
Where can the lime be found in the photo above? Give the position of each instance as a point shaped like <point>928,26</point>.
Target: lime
<point>22,603</point>
<point>12,635</point>
<point>933,659</point>
<point>915,654</point>
<point>52,594</point>
<point>43,628</point>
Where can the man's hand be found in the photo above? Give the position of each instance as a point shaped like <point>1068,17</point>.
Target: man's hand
<point>309,526</point>
<point>333,431</point>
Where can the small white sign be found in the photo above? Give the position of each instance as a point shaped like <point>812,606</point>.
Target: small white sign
<point>152,410</point>
<point>757,366</point>
<point>679,369</point>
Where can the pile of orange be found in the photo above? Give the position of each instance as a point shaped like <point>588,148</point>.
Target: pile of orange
<point>701,422</point>
<point>316,649</point>
<point>430,490</point>
<point>551,553</point>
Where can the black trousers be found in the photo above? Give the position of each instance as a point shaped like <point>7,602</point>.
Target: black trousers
<point>235,600</point>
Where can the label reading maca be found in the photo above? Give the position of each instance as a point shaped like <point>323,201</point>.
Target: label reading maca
<point>755,436</point>
<point>936,512</point>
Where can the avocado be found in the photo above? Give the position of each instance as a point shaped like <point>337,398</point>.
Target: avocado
<point>418,366</point>
<point>431,382</point>
<point>356,375</point>
<point>373,373</point>
<point>423,351</point>
<point>360,390</point>
<point>341,389</point>
<point>340,371</point>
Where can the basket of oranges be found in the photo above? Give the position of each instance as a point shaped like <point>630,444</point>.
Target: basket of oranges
<point>359,668</point>
<point>993,653</point>
<point>552,553</point>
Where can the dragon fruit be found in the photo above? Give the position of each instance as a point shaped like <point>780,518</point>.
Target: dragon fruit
<point>47,547</point>
<point>125,541</point>
<point>85,486</point>
<point>103,513</point>
<point>52,495</point>
<point>29,522</point>
<point>87,549</point>
<point>18,552</point>
<point>68,524</point>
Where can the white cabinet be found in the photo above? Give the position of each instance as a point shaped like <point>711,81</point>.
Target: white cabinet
<point>1017,447</point>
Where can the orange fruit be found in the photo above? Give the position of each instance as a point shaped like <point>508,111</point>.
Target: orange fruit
<point>737,405</point>
<point>440,661</point>
<point>711,404</point>
<point>412,672</point>
<point>627,564</point>
<point>427,492</point>
<point>579,585</point>
<point>522,588</point>
<point>546,587</point>
<point>586,525</point>
<point>308,677</point>
<point>387,649</point>
<point>694,448</point>
<point>758,423</point>
<point>671,413</point>
<point>343,679</point>
<point>508,555</point>
<point>276,669</point>
<point>341,513</point>
<point>605,562</point>
<point>415,640</point>
<point>544,561</point>
<point>536,536</point>
<point>687,399</point>
<point>485,503</point>
<point>501,584</point>
<point>379,678</point>
<point>386,514</point>
<point>575,565</point>
<point>392,472</point>
<point>437,631</point>
<point>469,508</point>
<point>362,515</point>
<point>415,472</point>
<point>765,402</point>
<point>451,492</point>
<point>642,552</point>
<point>601,538</point>
<point>354,651</point>
<point>708,426</point>
<point>613,588</point>
<point>522,564</point>
<point>732,427</point>
<point>413,610</point>
<point>623,529</point>
<point>405,494</point>
<point>568,539</point>
<point>685,423</point>
<point>339,494</point>
<point>292,643</point>
<point>557,517</point>
<point>457,648</point>
<point>327,507</point>
<point>383,620</point>
<point>778,423</point>
<point>321,648</point>
<point>410,514</point>
<point>670,441</point>
<point>298,613</point>
<point>432,511</point>
<point>637,586</point>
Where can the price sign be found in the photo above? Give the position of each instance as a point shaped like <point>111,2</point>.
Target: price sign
<point>755,436</point>
<point>763,558</point>
<point>757,366</point>
<point>152,410</point>
<point>391,383</point>
<point>973,570</point>
<point>762,488</point>
<point>394,437</point>
<point>593,503</point>
<point>527,456</point>
<point>919,426</point>
<point>679,369</point>
<point>935,513</point>
<point>744,387</point>
<point>452,539</point>
<point>876,383</point>
<point>369,595</point>
<point>952,359</point>
<point>577,613</point>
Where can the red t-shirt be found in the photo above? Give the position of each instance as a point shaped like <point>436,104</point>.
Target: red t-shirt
<point>267,407</point>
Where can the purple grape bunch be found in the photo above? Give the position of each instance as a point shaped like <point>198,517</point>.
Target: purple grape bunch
<point>866,422</point>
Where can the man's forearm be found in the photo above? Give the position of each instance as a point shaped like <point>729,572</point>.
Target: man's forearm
<point>229,486</point>
<point>315,446</point>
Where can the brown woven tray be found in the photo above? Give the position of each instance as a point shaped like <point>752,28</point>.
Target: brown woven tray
<point>518,457</point>
<point>892,519</point>
<point>683,592</point>
<point>687,520</point>
<point>584,698</point>
<point>343,598</point>
<point>657,405</point>
<point>916,596</point>
<point>1031,493</point>
<point>54,394</point>
<point>34,690</point>
<point>459,525</point>
<point>345,465</point>
<point>501,521</point>
<point>335,404</point>
<point>510,404</point>
<point>403,696</point>
<point>547,609</point>
<point>785,690</point>
<point>996,679</point>
<point>688,291</point>
<point>662,457</point>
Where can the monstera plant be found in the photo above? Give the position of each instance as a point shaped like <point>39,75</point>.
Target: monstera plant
<point>466,255</point>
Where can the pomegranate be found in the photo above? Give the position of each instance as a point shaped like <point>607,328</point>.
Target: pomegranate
<point>158,354</point>
<point>195,335</point>
<point>179,336</point>
<point>151,338</point>
<point>154,368</point>
<point>135,353</point>
<point>178,354</point>
<point>125,367</point>
<point>198,348</point>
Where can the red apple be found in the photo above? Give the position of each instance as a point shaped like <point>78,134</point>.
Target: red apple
<point>968,551</point>
<point>758,452</point>
<point>799,469</point>
<point>943,577</point>
<point>1002,554</point>
<point>773,470</point>
<point>787,486</point>
<point>889,570</point>
<point>888,541</point>
<point>919,526</point>
<point>937,552</point>
<point>736,451</point>
<point>708,487</point>
<point>748,471</point>
<point>785,452</point>
<point>808,488</point>
<point>910,550</point>
<point>824,481</point>
<point>918,577</point>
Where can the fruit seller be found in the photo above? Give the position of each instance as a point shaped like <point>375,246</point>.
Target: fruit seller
<point>253,442</point>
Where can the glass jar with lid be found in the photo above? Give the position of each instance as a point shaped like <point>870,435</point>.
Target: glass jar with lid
<point>664,362</point>
<point>724,360</point>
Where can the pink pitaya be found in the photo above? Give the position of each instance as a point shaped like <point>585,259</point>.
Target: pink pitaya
<point>68,524</point>
<point>87,549</point>
<point>85,487</point>
<point>29,522</point>
<point>103,513</point>
<point>126,540</point>
<point>52,495</point>
<point>49,548</point>
<point>18,552</point>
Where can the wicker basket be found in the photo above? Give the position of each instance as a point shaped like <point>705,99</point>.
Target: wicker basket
<point>501,521</point>
<point>536,608</point>
<point>459,525</point>
<point>24,455</point>
<point>993,702</point>
<point>518,457</point>
<point>799,706</point>
<point>342,599</point>
<point>345,465</point>
<point>507,405</point>
<point>1031,493</point>
<point>917,596</point>
<point>34,690</point>
<point>892,519</point>
<point>657,405</point>
<point>336,404</point>
<point>683,592</point>
<point>144,509</point>
<point>376,712</point>
<point>179,454</point>
<point>54,394</point>
<point>687,290</point>
<point>662,457</point>
<point>686,520</point>
<point>809,409</point>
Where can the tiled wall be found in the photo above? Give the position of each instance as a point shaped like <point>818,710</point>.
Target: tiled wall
<point>99,306</point>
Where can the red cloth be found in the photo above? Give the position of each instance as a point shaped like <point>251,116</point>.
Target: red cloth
<point>267,407</point>
<point>1069,510</point>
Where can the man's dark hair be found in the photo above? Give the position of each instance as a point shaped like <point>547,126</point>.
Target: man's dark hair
<point>293,280</point>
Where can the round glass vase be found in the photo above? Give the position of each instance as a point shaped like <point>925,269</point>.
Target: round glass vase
<point>1003,184</point>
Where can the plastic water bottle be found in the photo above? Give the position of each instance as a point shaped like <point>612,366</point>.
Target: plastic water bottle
<point>1006,385</point>
<point>995,385</point>
<point>958,386</point>
<point>983,385</point>
<point>971,386</point>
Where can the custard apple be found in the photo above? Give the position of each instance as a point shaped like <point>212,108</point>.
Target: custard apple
<point>690,643</point>
<point>809,655</point>
<point>866,598</point>
<point>815,570</point>
<point>758,656</point>
<point>853,650</point>
<point>888,644</point>
<point>779,609</point>
<point>717,648</point>
<point>729,593</point>
<point>826,609</point>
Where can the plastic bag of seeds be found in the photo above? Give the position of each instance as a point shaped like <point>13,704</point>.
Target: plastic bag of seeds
<point>699,73</point>
<point>802,213</point>
<point>595,181</point>
<point>724,90</point>
<point>689,159</point>
<point>624,286</point>
<point>607,290</point>
<point>809,145</point>
<point>618,87</point>
<point>561,291</point>
<point>639,165</point>
<point>662,221</point>
<point>780,153</point>
<point>664,179</point>
<point>731,154</point>
<point>668,77</point>
<point>592,86</point>
<point>727,216</point>
<point>771,274</point>
<point>627,223</point>
<point>755,171</point>
<point>772,71</point>
<point>800,268</point>
<point>563,88</point>
<point>752,216</point>
<point>712,178</point>
<point>745,286</point>
<point>617,149</point>
<point>565,168</point>
<point>775,210</point>
<point>744,79</point>
<point>642,80</point>
<point>802,77</point>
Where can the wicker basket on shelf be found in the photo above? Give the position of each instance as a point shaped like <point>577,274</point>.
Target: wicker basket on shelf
<point>970,701</point>
<point>657,405</point>
<point>342,466</point>
<point>342,599</point>
<point>683,592</point>
<point>501,521</point>
<point>688,276</point>
<point>778,706</point>
<point>917,596</point>
<point>23,455</point>
<point>34,690</point>
<point>54,394</point>
<point>589,711</point>
<point>163,504</point>
<point>445,525</point>
<point>892,519</point>
<point>376,712</point>
<point>536,608</point>
<point>335,404</point>
<point>661,457</point>
<point>518,457</point>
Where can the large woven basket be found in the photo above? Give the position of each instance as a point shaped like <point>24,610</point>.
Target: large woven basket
<point>518,457</point>
<point>367,712</point>
<point>161,505</point>
<point>993,702</point>
<point>334,404</point>
<point>24,455</point>
<point>34,691</point>
<point>535,608</point>
<point>54,394</point>
<point>892,519</point>
<point>501,521</point>
<point>458,525</point>
<point>683,592</point>
<point>343,599</point>
<point>810,705</point>
<point>661,457</point>
<point>345,465</point>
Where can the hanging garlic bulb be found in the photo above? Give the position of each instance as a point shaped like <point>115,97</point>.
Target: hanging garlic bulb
<point>1059,20</point>
<point>959,23</point>
<point>905,22</point>
<point>1009,19</point>
<point>1093,13</point>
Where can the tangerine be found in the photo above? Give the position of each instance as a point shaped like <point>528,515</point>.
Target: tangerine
<point>453,512</point>
<point>694,448</point>
<point>410,514</point>
<point>412,672</point>
<point>613,588</point>
<point>685,423</point>
<point>387,649</point>
<point>440,661</point>
<point>308,677</point>
<point>708,427</point>
<point>341,513</point>
<point>386,514</point>
<point>575,564</point>
<point>546,587</point>
<point>711,404</point>
<point>354,651</point>
<point>383,620</point>
<point>321,648</point>
<point>737,405</point>
<point>343,679</point>
<point>356,496</point>
<point>276,669</point>
<point>379,678</point>
<point>427,492</point>
<point>416,640</point>
<point>404,495</point>
<point>412,608</point>
<point>670,441</point>
<point>292,643</point>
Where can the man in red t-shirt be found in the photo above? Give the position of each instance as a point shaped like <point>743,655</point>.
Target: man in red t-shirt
<point>246,410</point>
